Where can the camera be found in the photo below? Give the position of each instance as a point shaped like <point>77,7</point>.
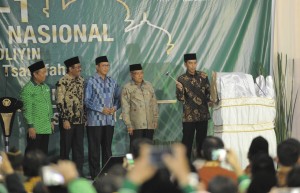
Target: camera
<point>156,155</point>
<point>51,177</point>
<point>129,158</point>
<point>218,154</point>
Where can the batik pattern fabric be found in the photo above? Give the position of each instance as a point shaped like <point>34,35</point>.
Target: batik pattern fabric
<point>69,99</point>
<point>195,96</point>
<point>139,106</point>
<point>100,93</point>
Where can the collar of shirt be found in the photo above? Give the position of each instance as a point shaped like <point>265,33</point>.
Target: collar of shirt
<point>97,76</point>
<point>70,77</point>
<point>133,83</point>
<point>190,75</point>
<point>36,84</point>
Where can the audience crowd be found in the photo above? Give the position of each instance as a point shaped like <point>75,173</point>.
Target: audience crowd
<point>164,169</point>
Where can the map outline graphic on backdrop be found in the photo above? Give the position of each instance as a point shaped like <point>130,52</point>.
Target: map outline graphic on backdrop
<point>130,27</point>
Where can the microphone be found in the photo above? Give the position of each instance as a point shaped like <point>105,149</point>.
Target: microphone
<point>169,75</point>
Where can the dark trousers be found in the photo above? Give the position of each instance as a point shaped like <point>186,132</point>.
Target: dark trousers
<point>72,139</point>
<point>40,142</point>
<point>141,133</point>
<point>189,129</point>
<point>99,137</point>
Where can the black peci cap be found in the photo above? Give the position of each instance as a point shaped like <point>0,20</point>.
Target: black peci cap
<point>36,66</point>
<point>101,59</point>
<point>134,67</point>
<point>71,61</point>
<point>191,56</point>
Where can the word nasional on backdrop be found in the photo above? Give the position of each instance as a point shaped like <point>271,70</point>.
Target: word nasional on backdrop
<point>43,34</point>
<point>65,33</point>
<point>50,34</point>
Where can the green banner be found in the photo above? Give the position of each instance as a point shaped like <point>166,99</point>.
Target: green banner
<point>227,35</point>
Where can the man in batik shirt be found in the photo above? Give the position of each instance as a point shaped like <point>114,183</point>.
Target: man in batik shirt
<point>102,99</point>
<point>139,106</point>
<point>69,101</point>
<point>193,89</point>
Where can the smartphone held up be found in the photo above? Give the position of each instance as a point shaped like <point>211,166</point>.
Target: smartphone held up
<point>51,177</point>
<point>219,154</point>
<point>156,155</point>
<point>129,158</point>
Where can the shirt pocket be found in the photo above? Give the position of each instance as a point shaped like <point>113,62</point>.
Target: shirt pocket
<point>137,95</point>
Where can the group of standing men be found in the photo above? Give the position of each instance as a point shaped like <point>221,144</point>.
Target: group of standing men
<point>93,104</point>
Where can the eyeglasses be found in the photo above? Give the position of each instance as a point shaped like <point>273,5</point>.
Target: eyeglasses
<point>105,65</point>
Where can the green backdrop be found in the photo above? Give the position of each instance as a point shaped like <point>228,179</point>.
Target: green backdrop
<point>227,35</point>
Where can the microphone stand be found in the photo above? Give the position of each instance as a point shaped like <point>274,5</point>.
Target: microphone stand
<point>169,75</point>
<point>6,143</point>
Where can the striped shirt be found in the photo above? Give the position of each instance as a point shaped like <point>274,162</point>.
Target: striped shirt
<point>100,93</point>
